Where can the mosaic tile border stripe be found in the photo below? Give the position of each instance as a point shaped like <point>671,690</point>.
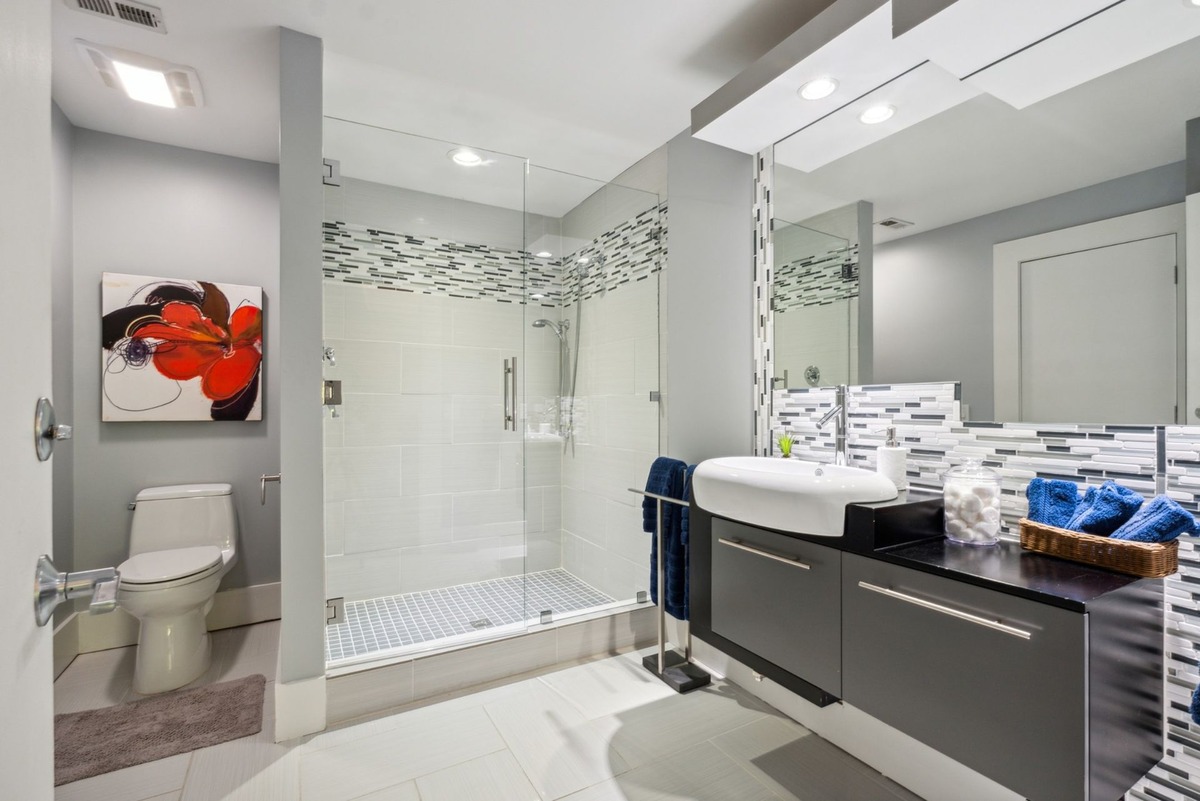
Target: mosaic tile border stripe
<point>764,323</point>
<point>358,254</point>
<point>633,251</point>
<point>817,280</point>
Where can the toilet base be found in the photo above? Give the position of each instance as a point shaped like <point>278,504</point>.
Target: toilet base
<point>172,651</point>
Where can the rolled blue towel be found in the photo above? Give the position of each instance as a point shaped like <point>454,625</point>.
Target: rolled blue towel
<point>1161,520</point>
<point>1105,509</point>
<point>1053,502</point>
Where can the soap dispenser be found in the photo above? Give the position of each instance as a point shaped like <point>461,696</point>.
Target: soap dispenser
<point>892,460</point>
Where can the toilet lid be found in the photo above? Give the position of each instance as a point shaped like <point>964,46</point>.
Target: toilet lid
<point>153,567</point>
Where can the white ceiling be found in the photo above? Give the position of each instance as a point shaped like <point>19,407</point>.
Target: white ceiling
<point>984,155</point>
<point>583,87</point>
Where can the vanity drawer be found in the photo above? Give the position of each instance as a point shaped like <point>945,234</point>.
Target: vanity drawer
<point>994,681</point>
<point>779,597</point>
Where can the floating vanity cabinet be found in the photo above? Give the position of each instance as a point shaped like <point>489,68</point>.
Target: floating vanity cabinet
<point>1056,703</point>
<point>778,597</point>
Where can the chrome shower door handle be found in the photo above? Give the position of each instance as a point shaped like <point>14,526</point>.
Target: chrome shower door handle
<point>508,417</point>
<point>262,485</point>
<point>509,379</point>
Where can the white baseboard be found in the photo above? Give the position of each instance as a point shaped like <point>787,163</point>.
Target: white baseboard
<point>926,772</point>
<point>240,606</point>
<point>66,643</point>
<point>299,708</point>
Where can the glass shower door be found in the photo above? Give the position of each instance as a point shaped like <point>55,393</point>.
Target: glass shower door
<point>595,253</point>
<point>424,280</point>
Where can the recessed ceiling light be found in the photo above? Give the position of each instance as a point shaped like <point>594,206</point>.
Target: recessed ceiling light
<point>145,86</point>
<point>464,157</point>
<point>818,88</point>
<point>543,254</point>
<point>877,114</point>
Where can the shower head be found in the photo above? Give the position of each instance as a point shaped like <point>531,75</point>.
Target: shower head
<point>557,328</point>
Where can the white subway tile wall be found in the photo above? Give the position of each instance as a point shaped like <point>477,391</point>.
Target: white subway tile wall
<point>425,489</point>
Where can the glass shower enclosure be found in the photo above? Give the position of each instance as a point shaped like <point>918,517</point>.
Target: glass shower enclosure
<point>492,329</point>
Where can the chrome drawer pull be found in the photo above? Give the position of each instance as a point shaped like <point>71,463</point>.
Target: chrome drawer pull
<point>946,610</point>
<point>787,560</point>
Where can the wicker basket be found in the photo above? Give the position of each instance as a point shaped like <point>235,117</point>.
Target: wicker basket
<point>1146,559</point>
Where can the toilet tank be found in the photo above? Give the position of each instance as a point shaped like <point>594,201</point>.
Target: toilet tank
<point>182,516</point>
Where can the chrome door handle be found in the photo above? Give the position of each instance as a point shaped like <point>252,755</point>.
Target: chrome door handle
<point>787,560</point>
<point>262,485</point>
<point>948,610</point>
<point>513,377</point>
<point>509,378</point>
<point>51,587</point>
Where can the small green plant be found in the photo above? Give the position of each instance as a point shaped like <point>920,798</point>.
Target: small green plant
<point>785,445</point>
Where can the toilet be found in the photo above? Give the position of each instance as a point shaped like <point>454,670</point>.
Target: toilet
<point>182,541</point>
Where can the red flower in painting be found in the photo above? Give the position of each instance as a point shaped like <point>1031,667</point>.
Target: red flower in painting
<point>190,345</point>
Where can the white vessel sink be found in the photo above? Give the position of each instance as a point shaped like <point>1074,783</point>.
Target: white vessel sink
<point>786,494</point>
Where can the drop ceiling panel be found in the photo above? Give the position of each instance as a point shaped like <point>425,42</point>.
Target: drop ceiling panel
<point>860,59</point>
<point>1125,33</point>
<point>918,95</point>
<point>970,34</point>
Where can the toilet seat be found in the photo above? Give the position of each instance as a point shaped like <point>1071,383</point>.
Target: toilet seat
<point>156,570</point>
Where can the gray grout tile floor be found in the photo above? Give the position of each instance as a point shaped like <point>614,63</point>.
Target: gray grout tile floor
<point>396,621</point>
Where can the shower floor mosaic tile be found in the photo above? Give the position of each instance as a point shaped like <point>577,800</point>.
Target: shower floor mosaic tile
<point>396,621</point>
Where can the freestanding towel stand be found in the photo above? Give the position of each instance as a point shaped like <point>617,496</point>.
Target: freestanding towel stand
<point>677,670</point>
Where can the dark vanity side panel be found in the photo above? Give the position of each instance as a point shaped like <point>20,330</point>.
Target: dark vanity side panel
<point>1126,668</point>
<point>1013,709</point>
<point>700,567</point>
<point>779,597</point>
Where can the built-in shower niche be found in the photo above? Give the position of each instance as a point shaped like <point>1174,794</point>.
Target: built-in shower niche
<point>447,521</point>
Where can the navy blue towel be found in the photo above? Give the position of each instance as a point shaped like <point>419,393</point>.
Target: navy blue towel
<point>1053,502</point>
<point>1161,520</point>
<point>685,538</point>
<point>667,478</point>
<point>1194,708</point>
<point>1105,509</point>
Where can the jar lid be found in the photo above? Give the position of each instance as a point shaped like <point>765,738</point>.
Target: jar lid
<point>973,470</point>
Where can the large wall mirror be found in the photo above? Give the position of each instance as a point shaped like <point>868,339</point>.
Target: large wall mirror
<point>1037,255</point>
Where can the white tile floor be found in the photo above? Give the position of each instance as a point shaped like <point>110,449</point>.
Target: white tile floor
<point>604,731</point>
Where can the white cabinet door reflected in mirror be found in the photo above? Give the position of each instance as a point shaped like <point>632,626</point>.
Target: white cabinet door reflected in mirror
<point>1086,322</point>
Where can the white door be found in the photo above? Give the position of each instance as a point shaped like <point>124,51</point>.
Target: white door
<point>1088,322</point>
<point>26,736</point>
<point>1098,335</point>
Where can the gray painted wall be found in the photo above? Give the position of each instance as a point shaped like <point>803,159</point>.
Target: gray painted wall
<point>933,291</point>
<point>61,338</point>
<point>710,406</point>
<point>301,493</point>
<point>157,210</point>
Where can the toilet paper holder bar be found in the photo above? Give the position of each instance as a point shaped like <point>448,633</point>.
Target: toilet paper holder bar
<point>51,587</point>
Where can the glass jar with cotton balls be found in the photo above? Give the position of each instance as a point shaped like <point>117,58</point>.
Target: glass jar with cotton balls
<point>972,502</point>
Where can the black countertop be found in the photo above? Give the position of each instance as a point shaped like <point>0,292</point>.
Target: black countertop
<point>1009,568</point>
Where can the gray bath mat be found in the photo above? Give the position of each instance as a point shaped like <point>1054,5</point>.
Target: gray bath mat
<point>102,740</point>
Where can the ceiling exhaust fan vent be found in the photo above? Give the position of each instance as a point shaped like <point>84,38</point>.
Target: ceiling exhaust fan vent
<point>128,11</point>
<point>894,223</point>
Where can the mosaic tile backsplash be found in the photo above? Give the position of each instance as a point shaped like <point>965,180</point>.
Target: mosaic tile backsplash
<point>927,420</point>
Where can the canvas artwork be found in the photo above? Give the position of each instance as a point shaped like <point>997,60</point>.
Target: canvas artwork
<point>180,350</point>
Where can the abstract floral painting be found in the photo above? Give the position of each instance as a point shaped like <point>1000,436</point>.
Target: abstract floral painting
<point>180,350</point>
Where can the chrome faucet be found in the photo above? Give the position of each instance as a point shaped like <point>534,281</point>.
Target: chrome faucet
<point>839,412</point>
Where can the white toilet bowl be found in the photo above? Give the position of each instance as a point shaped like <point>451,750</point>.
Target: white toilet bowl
<point>170,589</point>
